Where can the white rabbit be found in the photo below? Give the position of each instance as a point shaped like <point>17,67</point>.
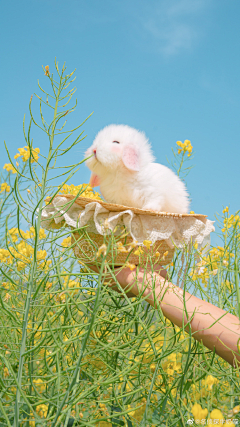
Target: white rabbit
<point>123,165</point>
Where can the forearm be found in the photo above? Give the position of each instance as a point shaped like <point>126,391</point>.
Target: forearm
<point>209,324</point>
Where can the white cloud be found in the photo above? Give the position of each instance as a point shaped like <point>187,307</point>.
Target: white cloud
<point>174,25</point>
<point>171,39</point>
<point>184,7</point>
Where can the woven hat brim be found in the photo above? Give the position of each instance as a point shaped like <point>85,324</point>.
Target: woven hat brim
<point>83,201</point>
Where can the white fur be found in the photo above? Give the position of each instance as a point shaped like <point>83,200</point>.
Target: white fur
<point>152,186</point>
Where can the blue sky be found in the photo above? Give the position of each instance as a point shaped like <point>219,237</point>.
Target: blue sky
<point>167,67</point>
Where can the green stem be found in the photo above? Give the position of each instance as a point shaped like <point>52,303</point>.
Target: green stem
<point>237,282</point>
<point>75,379</point>
<point>31,282</point>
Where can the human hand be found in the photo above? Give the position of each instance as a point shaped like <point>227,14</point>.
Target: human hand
<point>125,276</point>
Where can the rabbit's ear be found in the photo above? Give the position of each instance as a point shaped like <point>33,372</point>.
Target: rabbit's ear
<point>94,180</point>
<point>130,158</point>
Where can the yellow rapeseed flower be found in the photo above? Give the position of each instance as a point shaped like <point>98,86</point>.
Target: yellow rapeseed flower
<point>209,265</point>
<point>226,209</point>
<point>31,422</point>
<point>139,251</point>
<point>87,191</point>
<point>231,221</point>
<point>185,146</point>
<point>147,243</point>
<point>170,365</point>
<point>14,234</point>
<point>121,248</point>
<point>25,250</point>
<point>39,385</point>
<point>7,297</point>
<point>153,367</point>
<point>5,256</point>
<point>210,381</point>
<point>42,234</point>
<point>42,410</point>
<point>10,168</point>
<point>25,154</point>
<point>6,372</point>
<point>102,250</point>
<point>26,235</point>
<point>132,245</point>
<point>21,153</point>
<point>216,417</point>
<point>131,266</point>
<point>198,412</point>
<point>41,255</point>
<point>31,233</point>
<point>66,242</point>
<point>4,187</point>
<point>47,73</point>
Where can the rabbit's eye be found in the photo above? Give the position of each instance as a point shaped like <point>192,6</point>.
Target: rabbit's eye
<point>117,142</point>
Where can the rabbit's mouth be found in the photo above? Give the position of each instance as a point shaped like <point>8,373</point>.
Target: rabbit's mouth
<point>95,158</point>
<point>95,162</point>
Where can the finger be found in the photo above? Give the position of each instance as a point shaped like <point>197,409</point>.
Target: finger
<point>111,281</point>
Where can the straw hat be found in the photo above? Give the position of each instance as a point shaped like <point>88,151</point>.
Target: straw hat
<point>87,244</point>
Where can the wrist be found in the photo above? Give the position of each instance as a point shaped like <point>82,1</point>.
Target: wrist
<point>154,287</point>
